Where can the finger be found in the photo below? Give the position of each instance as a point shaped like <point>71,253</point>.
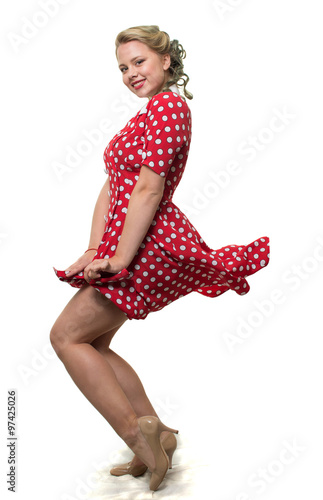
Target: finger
<point>99,264</point>
<point>70,271</point>
<point>94,274</point>
<point>101,267</point>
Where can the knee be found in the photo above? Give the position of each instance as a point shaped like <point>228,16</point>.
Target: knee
<point>54,338</point>
<point>58,338</point>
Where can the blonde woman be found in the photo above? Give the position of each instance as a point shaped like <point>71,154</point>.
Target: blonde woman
<point>143,251</point>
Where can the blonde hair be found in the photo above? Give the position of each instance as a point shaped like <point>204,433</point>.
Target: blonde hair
<point>159,41</point>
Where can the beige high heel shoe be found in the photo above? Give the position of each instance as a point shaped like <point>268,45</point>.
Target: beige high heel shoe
<point>151,428</point>
<point>169,443</point>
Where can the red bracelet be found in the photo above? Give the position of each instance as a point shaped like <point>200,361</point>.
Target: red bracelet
<point>90,249</point>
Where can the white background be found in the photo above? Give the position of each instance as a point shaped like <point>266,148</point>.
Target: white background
<point>236,407</point>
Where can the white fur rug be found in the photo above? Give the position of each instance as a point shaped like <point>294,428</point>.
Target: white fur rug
<point>182,481</point>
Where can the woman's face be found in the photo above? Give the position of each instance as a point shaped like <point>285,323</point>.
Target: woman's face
<point>144,71</point>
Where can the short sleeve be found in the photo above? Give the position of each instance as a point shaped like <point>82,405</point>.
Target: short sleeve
<point>166,131</point>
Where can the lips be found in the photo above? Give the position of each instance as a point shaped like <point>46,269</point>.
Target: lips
<point>138,83</point>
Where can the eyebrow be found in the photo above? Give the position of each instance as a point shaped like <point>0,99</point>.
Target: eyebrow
<point>130,61</point>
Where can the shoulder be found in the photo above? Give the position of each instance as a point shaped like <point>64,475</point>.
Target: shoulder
<point>168,106</point>
<point>168,99</point>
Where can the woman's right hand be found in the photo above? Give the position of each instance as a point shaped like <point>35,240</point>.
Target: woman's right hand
<point>80,264</point>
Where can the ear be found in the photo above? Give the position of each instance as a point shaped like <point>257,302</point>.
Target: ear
<point>166,62</point>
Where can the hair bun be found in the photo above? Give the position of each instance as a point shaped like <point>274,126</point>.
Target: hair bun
<point>178,49</point>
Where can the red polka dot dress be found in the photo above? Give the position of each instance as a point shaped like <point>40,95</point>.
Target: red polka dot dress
<point>173,260</point>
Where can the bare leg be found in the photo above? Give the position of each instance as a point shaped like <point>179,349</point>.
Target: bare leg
<point>87,316</point>
<point>126,376</point>
<point>128,380</point>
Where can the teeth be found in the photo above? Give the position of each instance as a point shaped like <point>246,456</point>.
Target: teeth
<point>138,83</point>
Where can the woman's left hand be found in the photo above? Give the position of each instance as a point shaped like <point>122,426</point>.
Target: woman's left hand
<point>94,269</point>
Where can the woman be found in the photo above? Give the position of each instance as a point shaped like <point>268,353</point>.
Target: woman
<point>143,252</point>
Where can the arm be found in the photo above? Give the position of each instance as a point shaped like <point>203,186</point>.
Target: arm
<point>143,203</point>
<point>142,207</point>
<point>97,229</point>
<point>100,210</point>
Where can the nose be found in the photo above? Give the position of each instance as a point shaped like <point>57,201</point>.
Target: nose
<point>133,72</point>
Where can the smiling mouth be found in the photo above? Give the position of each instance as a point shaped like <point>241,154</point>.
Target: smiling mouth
<point>138,84</point>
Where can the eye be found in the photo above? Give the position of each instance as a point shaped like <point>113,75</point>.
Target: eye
<point>137,62</point>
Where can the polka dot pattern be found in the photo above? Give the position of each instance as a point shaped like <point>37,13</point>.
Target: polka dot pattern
<point>173,260</point>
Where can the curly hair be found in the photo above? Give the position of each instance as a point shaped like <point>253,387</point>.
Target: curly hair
<point>159,41</point>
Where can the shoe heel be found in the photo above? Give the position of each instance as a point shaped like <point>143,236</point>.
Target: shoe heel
<point>151,428</point>
<point>170,458</point>
<point>170,453</point>
<point>164,427</point>
<point>169,444</point>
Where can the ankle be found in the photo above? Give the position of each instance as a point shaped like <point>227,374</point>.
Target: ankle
<point>130,436</point>
<point>137,461</point>
<point>138,444</point>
